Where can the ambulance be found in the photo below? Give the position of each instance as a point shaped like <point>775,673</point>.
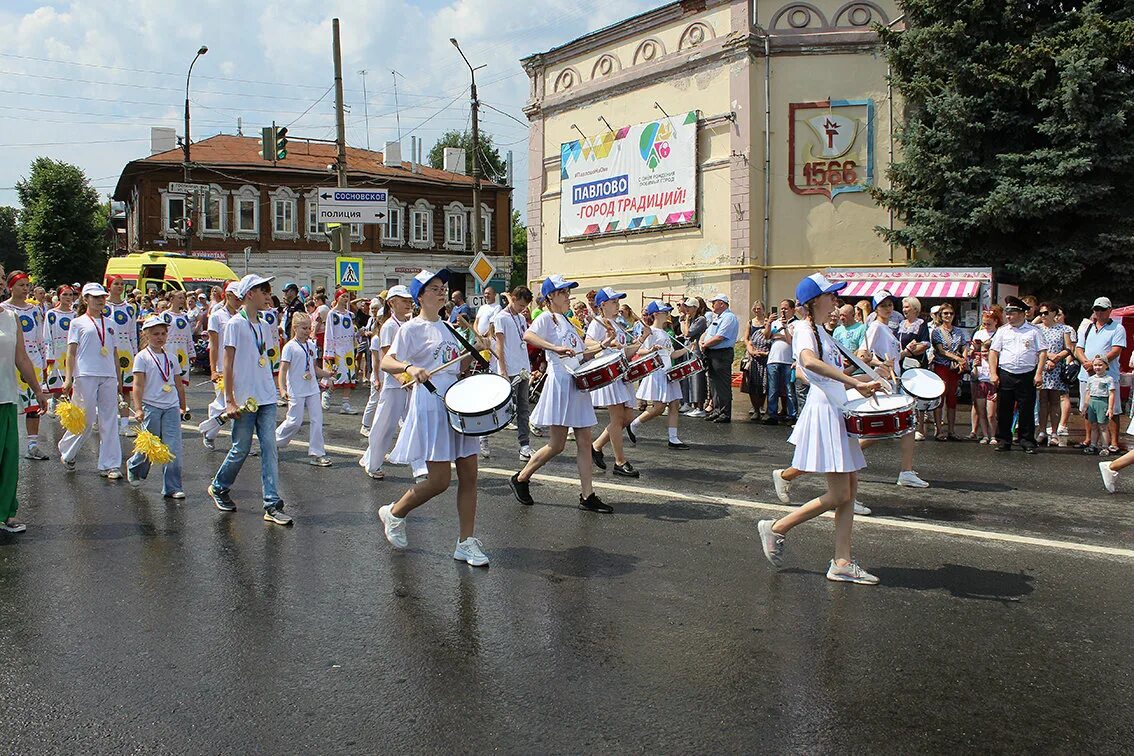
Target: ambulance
<point>159,272</point>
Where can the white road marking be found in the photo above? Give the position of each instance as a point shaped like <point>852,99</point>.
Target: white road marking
<point>725,501</point>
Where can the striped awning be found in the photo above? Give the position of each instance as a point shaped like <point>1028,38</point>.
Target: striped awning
<point>919,289</point>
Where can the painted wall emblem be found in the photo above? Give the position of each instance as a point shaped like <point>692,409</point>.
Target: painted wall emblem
<point>830,146</point>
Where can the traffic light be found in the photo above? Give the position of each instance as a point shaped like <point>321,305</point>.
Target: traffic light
<point>281,143</point>
<point>268,142</point>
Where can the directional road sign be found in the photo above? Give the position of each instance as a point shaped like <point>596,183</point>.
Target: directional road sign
<point>352,205</point>
<point>348,273</point>
<point>177,187</point>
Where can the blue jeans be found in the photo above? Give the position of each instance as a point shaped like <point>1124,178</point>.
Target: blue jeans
<point>263,422</point>
<point>778,374</point>
<point>166,425</point>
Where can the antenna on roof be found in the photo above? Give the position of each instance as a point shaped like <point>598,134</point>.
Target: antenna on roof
<point>397,112</point>
<point>239,126</point>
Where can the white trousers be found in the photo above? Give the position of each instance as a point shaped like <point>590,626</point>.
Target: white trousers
<point>392,406</point>
<point>216,409</point>
<point>291,424</point>
<point>98,398</point>
<point>371,404</point>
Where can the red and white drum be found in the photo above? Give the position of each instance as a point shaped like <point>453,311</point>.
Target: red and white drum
<point>879,416</point>
<point>925,386</point>
<point>601,371</point>
<point>643,366</point>
<point>685,369</point>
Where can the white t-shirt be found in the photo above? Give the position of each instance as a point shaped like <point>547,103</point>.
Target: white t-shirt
<point>385,338</point>
<point>558,330</point>
<point>429,345</point>
<point>89,359</point>
<point>301,360</point>
<point>512,328</point>
<point>484,316</point>
<point>160,370</point>
<point>803,337</point>
<point>250,378</point>
<point>320,318</point>
<point>882,343</point>
<point>779,352</point>
<point>218,320</point>
<point>660,339</point>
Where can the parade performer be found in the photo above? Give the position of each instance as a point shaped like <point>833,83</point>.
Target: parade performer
<point>338,352</point>
<point>656,388</point>
<point>393,399</point>
<point>272,317</point>
<point>124,316</point>
<point>55,327</point>
<point>179,327</point>
<point>29,317</point>
<point>218,319</point>
<point>421,346</point>
<point>159,402</point>
<point>618,396</point>
<point>299,386</point>
<point>508,327</point>
<point>250,398</point>
<point>93,382</point>
<point>820,437</point>
<point>1109,469</point>
<point>561,404</point>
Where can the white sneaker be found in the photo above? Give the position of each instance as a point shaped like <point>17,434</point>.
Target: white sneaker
<point>860,508</point>
<point>1109,477</point>
<point>395,527</point>
<point>34,452</point>
<point>347,409</point>
<point>698,413</point>
<point>1063,431</point>
<point>209,443</point>
<point>364,432</point>
<point>910,478</point>
<point>319,461</point>
<point>783,487</point>
<point>326,401</point>
<point>469,550</point>
<point>525,452</point>
<point>114,474</point>
<point>918,436</point>
<point>485,452</point>
<point>850,573</point>
<point>772,543</point>
<point>536,431</point>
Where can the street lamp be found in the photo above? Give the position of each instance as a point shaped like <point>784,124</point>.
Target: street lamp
<point>189,231</point>
<point>475,104</point>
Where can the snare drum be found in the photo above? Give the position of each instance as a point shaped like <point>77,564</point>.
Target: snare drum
<point>601,371</point>
<point>880,416</point>
<point>480,404</point>
<point>643,366</point>
<point>922,384</point>
<point>685,369</point>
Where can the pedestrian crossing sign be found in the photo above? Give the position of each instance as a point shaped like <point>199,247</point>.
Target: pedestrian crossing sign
<point>348,273</point>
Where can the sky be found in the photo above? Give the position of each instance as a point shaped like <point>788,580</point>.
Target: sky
<point>84,81</point>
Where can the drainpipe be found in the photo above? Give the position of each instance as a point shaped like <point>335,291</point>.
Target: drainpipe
<point>767,156</point>
<point>890,130</point>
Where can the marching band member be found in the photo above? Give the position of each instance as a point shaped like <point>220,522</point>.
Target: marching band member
<point>338,352</point>
<point>30,320</point>
<point>159,403</point>
<point>422,345</point>
<point>124,316</point>
<point>508,327</point>
<point>218,319</point>
<point>179,333</point>
<point>820,436</point>
<point>617,397</point>
<point>55,327</point>
<point>94,383</point>
<point>393,399</point>
<point>272,317</point>
<point>561,404</point>
<point>299,386</point>
<point>656,388</point>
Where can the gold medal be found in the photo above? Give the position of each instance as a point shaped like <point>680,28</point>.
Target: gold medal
<point>263,361</point>
<point>167,388</point>
<point>307,376</point>
<point>104,351</point>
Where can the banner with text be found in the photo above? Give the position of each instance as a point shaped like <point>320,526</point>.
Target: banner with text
<point>639,178</point>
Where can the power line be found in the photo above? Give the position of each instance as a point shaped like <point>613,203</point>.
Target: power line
<point>312,105</point>
<point>85,141</point>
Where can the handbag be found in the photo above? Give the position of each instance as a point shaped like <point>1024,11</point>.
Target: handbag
<point>1070,372</point>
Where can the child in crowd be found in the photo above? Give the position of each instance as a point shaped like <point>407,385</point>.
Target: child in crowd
<point>299,387</point>
<point>1102,395</point>
<point>159,403</point>
<point>984,395</point>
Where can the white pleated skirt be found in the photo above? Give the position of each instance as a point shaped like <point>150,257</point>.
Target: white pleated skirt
<point>821,441</point>
<point>426,434</point>
<point>560,403</point>
<point>655,387</point>
<point>617,392</point>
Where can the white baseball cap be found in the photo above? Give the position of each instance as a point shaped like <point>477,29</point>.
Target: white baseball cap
<point>719,298</point>
<point>250,282</point>
<point>399,291</point>
<point>94,290</point>
<point>153,320</point>
<point>233,288</point>
<point>1103,302</point>
<point>691,302</point>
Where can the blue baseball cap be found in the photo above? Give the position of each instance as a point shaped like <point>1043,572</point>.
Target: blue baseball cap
<point>556,282</point>
<point>881,296</point>
<point>656,307</point>
<point>422,279</point>
<point>814,285</point>
<point>605,294</point>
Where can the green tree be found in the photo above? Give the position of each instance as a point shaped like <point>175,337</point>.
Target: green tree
<point>519,252</point>
<point>12,255</point>
<point>62,225</point>
<point>492,167</point>
<point>1017,149</point>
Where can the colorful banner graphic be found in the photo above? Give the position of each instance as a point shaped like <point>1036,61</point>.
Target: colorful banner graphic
<point>830,146</point>
<point>639,178</point>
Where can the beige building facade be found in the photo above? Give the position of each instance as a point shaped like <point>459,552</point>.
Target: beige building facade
<point>793,125</point>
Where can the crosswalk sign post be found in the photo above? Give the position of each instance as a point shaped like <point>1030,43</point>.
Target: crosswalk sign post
<point>348,273</point>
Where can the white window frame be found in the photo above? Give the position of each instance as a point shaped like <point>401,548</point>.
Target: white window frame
<point>456,226</point>
<point>220,196</point>
<point>285,198</point>
<point>166,229</point>
<point>421,208</point>
<point>485,227</point>
<point>314,229</point>
<point>249,194</point>
<point>393,232</point>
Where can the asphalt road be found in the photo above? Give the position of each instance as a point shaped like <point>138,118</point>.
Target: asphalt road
<point>133,624</point>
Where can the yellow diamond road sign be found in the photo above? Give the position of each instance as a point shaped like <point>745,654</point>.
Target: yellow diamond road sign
<point>482,268</point>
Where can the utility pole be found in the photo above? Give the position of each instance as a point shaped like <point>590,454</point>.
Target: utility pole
<point>343,230</point>
<point>365,108</point>
<point>475,106</point>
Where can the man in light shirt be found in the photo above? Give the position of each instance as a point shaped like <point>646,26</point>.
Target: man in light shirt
<point>717,344</point>
<point>1100,335</point>
<point>1015,361</point>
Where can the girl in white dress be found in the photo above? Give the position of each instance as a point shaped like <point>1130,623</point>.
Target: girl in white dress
<point>55,328</point>
<point>421,346</point>
<point>338,352</point>
<point>617,397</point>
<point>124,317</point>
<point>656,388</point>
<point>561,404</point>
<point>298,381</point>
<point>393,400</point>
<point>820,437</point>
<point>29,317</point>
<point>180,329</point>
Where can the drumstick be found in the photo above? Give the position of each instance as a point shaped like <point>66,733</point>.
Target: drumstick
<point>889,387</point>
<point>487,344</point>
<point>408,380</point>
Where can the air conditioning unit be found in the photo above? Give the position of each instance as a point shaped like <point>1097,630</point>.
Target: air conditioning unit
<point>162,139</point>
<point>454,159</point>
<point>392,155</point>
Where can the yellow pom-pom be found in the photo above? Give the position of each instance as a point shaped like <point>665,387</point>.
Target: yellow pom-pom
<point>486,355</point>
<point>151,447</point>
<point>218,384</point>
<point>71,417</point>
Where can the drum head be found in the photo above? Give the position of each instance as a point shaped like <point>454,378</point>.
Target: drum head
<point>880,402</point>
<point>478,393</point>
<point>607,358</point>
<point>922,383</point>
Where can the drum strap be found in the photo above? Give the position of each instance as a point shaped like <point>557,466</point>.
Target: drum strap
<point>858,363</point>
<point>465,343</point>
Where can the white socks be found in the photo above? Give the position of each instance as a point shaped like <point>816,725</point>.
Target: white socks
<point>673,436</point>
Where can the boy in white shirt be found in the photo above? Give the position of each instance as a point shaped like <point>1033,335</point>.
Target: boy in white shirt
<point>299,387</point>
<point>159,403</point>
